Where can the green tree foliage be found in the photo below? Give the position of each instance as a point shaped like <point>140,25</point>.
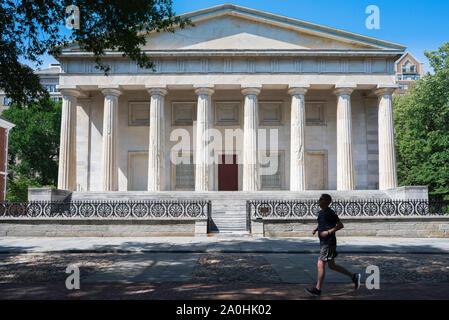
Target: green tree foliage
<point>422,128</point>
<point>34,142</point>
<point>31,28</point>
<point>17,190</point>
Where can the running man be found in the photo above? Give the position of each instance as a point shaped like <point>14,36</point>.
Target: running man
<point>328,225</point>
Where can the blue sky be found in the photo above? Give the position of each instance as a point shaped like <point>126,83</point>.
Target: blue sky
<point>420,25</point>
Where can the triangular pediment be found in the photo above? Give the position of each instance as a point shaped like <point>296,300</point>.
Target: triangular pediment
<point>230,27</point>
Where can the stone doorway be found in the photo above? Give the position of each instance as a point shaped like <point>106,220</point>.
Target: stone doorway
<point>228,173</point>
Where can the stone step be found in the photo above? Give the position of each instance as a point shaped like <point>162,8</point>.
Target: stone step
<point>228,229</point>
<point>230,234</point>
<point>228,219</point>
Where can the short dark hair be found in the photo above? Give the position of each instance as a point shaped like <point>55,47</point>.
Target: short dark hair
<point>326,197</point>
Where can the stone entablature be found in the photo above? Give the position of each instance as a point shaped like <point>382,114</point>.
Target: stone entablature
<point>234,64</point>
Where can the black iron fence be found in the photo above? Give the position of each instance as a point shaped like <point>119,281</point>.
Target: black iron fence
<point>149,209</point>
<point>349,208</point>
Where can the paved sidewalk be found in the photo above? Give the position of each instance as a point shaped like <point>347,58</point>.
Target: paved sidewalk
<point>226,244</point>
<point>226,291</point>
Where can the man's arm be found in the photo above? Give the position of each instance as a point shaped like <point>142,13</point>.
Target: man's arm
<point>338,226</point>
<point>315,230</point>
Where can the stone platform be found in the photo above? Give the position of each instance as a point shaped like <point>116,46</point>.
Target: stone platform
<point>228,216</point>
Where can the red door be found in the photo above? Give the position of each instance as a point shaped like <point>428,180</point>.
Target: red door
<point>228,173</point>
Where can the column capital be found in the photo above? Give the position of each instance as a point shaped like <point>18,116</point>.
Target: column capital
<point>69,90</point>
<point>112,90</point>
<point>385,89</point>
<point>160,90</point>
<point>251,89</point>
<point>298,89</point>
<point>344,90</point>
<point>204,89</point>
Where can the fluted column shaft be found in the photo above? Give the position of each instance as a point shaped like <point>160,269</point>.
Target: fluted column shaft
<point>109,175</point>
<point>202,156</point>
<point>297,139</point>
<point>67,146</point>
<point>251,179</point>
<point>345,164</point>
<point>156,140</point>
<point>387,155</point>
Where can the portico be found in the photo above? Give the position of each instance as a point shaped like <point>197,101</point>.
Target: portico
<point>158,155</point>
<point>317,102</point>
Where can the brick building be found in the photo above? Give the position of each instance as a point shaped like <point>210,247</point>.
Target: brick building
<point>408,70</point>
<point>49,78</point>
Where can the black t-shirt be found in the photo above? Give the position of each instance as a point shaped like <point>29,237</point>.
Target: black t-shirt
<point>327,219</point>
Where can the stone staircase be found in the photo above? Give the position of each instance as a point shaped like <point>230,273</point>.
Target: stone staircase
<point>229,215</point>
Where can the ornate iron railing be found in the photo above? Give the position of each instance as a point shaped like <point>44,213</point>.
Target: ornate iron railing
<point>349,208</point>
<point>147,209</point>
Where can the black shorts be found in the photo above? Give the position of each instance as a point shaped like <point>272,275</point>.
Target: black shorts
<point>328,252</point>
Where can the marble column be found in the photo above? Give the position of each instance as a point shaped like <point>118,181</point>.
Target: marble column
<point>156,139</point>
<point>203,177</point>
<point>345,162</point>
<point>109,175</point>
<point>387,156</point>
<point>83,123</point>
<point>67,146</point>
<point>251,179</point>
<point>297,138</point>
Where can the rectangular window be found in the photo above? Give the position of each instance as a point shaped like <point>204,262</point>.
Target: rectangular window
<point>6,101</point>
<point>183,113</point>
<point>405,86</point>
<point>139,114</point>
<point>404,78</point>
<point>271,171</point>
<point>270,112</point>
<point>50,88</point>
<point>399,77</point>
<point>185,174</point>
<point>227,113</point>
<point>315,113</point>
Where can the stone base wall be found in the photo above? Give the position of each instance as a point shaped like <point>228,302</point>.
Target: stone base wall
<point>406,227</point>
<point>101,228</point>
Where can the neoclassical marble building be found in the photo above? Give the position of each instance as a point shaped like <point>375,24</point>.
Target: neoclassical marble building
<point>327,94</point>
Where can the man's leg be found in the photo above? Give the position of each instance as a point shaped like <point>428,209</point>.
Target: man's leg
<point>321,273</point>
<point>335,267</point>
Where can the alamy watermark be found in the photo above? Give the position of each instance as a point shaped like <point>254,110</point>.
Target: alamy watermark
<point>73,280</point>
<point>227,141</point>
<point>73,19</point>
<point>373,279</point>
<point>373,19</point>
